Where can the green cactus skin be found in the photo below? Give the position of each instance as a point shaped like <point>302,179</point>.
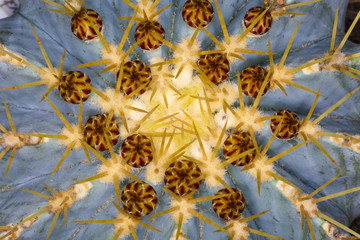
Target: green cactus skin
<point>62,181</point>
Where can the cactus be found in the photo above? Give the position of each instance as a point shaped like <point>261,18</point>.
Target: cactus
<point>198,119</point>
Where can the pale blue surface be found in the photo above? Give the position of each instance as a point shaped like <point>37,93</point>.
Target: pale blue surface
<point>307,167</point>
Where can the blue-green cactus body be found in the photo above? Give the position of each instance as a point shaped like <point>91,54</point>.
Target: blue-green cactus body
<point>307,167</point>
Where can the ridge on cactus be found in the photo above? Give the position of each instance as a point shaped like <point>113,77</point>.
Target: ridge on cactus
<point>194,119</point>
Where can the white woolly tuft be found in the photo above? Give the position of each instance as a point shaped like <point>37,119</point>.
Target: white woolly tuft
<point>259,164</point>
<point>184,205</point>
<point>281,75</point>
<point>228,91</point>
<point>234,44</point>
<point>246,116</point>
<point>48,76</point>
<point>114,56</point>
<point>74,136</point>
<point>295,196</point>
<point>114,168</point>
<point>238,229</point>
<point>310,129</point>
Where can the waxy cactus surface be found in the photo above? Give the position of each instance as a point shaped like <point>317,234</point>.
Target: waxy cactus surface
<point>174,119</point>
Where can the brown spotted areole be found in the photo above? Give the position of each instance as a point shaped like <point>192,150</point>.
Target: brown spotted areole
<point>137,150</point>
<point>74,87</point>
<point>237,143</point>
<point>81,24</point>
<point>215,66</point>
<point>251,79</point>
<point>138,198</point>
<point>229,207</point>
<point>263,26</point>
<point>197,13</point>
<point>149,34</point>
<point>290,124</point>
<point>179,175</point>
<point>136,74</point>
<point>95,130</point>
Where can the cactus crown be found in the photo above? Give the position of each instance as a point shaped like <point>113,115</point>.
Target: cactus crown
<point>196,120</point>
